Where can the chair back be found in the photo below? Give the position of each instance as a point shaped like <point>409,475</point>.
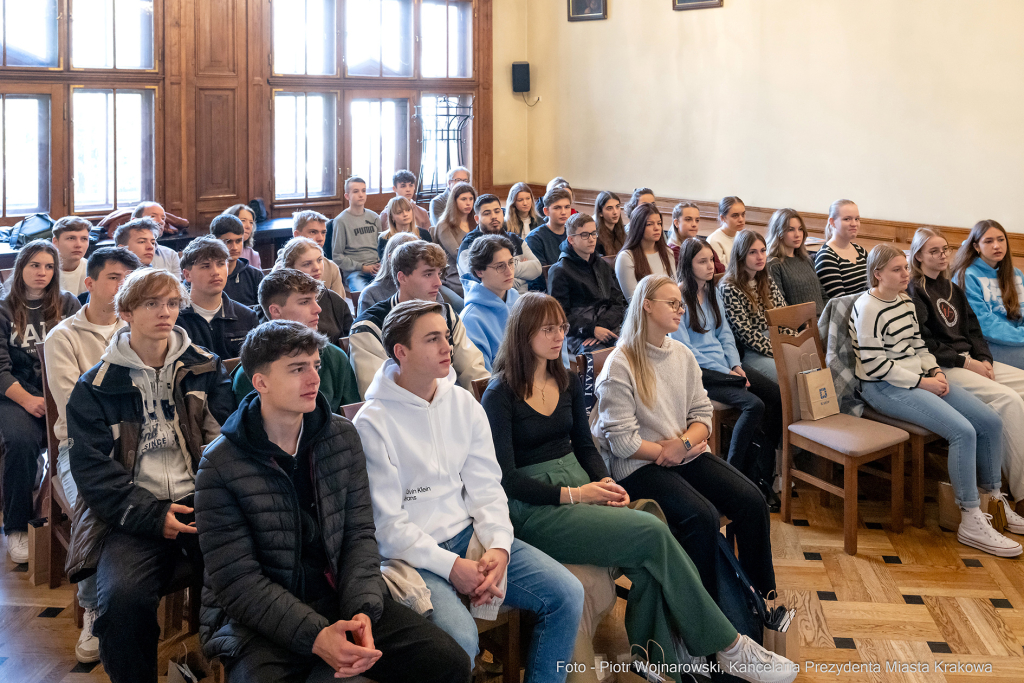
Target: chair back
<point>5,274</point>
<point>789,349</point>
<point>354,298</point>
<point>480,386</point>
<point>610,259</point>
<point>599,360</point>
<point>51,412</point>
<point>716,278</point>
<point>230,364</point>
<point>544,272</point>
<point>343,342</point>
<point>351,409</point>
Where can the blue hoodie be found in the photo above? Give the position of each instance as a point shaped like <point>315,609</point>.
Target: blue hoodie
<point>485,317</point>
<point>981,283</point>
<point>716,348</point>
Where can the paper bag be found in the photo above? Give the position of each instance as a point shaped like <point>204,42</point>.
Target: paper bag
<point>817,392</point>
<point>187,667</point>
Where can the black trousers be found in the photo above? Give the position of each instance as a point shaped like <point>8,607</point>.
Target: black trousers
<point>24,438</point>
<point>693,496</point>
<point>413,650</point>
<point>759,427</point>
<point>132,574</point>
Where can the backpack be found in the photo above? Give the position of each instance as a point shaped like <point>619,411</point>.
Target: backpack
<point>259,210</point>
<point>38,226</point>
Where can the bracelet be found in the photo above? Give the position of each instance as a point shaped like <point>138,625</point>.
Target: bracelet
<point>579,493</point>
<point>570,495</point>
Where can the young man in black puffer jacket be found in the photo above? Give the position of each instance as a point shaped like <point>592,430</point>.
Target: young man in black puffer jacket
<point>286,529</point>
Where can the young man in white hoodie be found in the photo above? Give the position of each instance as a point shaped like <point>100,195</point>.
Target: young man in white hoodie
<point>137,425</point>
<point>436,490</point>
<point>71,348</point>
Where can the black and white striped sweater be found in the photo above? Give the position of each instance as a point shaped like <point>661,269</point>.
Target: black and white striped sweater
<point>887,341</point>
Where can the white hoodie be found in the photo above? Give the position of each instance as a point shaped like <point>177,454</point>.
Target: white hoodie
<point>432,471</point>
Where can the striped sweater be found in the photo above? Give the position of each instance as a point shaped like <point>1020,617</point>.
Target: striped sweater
<point>887,341</point>
<point>838,276</point>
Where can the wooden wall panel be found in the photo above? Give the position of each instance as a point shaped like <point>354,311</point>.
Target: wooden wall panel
<point>217,26</point>
<point>216,151</point>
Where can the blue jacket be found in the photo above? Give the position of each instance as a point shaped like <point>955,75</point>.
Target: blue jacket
<point>485,317</point>
<point>981,283</point>
<point>716,348</point>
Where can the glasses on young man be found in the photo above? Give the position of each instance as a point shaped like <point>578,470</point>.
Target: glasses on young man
<point>155,304</point>
<point>674,304</point>
<point>551,331</point>
<point>588,235</point>
<point>504,268</point>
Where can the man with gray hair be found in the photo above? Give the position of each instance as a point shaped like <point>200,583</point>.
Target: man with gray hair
<point>313,224</point>
<point>458,174</point>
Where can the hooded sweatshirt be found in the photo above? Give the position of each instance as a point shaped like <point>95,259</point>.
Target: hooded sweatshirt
<point>485,317</point>
<point>981,283</point>
<point>528,267</point>
<point>432,471</point>
<point>948,325</point>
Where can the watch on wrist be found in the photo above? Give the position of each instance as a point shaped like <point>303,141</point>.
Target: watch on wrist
<point>686,443</point>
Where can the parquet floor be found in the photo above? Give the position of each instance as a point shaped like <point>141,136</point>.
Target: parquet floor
<point>913,598</point>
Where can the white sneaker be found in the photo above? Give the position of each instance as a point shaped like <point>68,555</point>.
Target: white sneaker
<point>87,650</point>
<point>17,546</point>
<point>751,662</point>
<point>1014,522</point>
<point>976,531</point>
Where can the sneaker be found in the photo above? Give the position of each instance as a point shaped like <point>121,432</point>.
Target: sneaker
<point>87,650</point>
<point>751,662</point>
<point>976,531</point>
<point>17,546</point>
<point>1014,522</point>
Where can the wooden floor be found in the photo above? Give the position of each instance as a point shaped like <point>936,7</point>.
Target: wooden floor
<point>915,597</point>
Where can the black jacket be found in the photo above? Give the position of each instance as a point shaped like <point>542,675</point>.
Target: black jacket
<point>244,283</point>
<point>949,326</point>
<point>589,294</point>
<point>335,316</point>
<point>225,333</point>
<point>476,233</point>
<point>250,530</point>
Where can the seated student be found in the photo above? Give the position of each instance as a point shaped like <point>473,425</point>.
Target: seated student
<point>611,231</point>
<point>562,501</point>
<point>245,214</point>
<point>641,195</point>
<point>995,290</point>
<point>287,294</point>
<point>313,225</point>
<point>436,488</point>
<point>521,216</point>
<point>901,378</point>
<point>645,251</point>
<point>303,254</point>
<point>456,222</point>
<point>585,286</point>
<point>417,266</point>
<point>705,331</point>
<point>556,183</point>
<point>137,424</point>
<point>951,332</point>
<point>489,300</point>
<point>732,217</point>
<point>456,175</point>
<point>139,237</point>
<point>243,280</point>
<point>355,237</point>
<point>653,410</point>
<point>384,286</point>
<point>163,257</point>
<point>748,291</point>
<point>32,306</point>
<point>404,182</point>
<point>212,319</point>
<point>396,219</point>
<point>71,237</point>
<point>72,347</point>
<point>546,240</point>
<point>841,263</point>
<point>286,529</point>
<point>686,225</point>
<point>789,264</point>
<point>490,221</point>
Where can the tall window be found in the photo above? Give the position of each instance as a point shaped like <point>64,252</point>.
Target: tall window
<point>304,33</point>
<point>114,155</point>
<point>305,145</point>
<point>378,37</point>
<point>446,39</point>
<point>380,141</point>
<point>112,34</point>
<point>28,32</point>
<point>25,144</point>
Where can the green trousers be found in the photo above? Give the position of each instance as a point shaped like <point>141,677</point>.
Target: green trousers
<point>667,595</point>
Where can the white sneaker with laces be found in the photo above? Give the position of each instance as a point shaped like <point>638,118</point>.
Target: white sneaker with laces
<point>751,662</point>
<point>1014,522</point>
<point>17,546</point>
<point>87,650</point>
<point>976,531</point>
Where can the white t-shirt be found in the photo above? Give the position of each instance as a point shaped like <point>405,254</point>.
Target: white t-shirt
<point>74,281</point>
<point>206,313</point>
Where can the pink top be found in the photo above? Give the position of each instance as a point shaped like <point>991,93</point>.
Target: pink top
<point>253,257</point>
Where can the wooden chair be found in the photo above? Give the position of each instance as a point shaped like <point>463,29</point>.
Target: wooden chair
<point>610,260</point>
<point>842,439</point>
<point>351,409</point>
<point>354,298</point>
<point>716,279</point>
<point>345,346</point>
<point>722,415</point>
<point>544,272</point>
<point>480,386</point>
<point>5,274</point>
<point>230,364</point>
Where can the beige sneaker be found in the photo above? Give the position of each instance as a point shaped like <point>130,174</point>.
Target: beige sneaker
<point>976,531</point>
<point>17,546</point>
<point>87,650</point>
<point>753,663</point>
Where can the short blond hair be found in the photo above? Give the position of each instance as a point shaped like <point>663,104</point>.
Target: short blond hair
<point>879,258</point>
<point>147,283</point>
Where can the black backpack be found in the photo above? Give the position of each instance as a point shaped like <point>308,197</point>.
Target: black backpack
<point>38,226</point>
<point>259,210</point>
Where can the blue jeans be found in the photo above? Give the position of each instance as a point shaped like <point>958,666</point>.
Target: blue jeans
<point>1011,355</point>
<point>357,281</point>
<point>536,583</point>
<point>86,587</point>
<point>761,364</point>
<point>974,432</point>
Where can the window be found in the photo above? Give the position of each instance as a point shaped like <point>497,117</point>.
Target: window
<point>25,143</point>
<point>446,39</point>
<point>28,32</point>
<point>378,37</point>
<point>380,141</point>
<point>305,145</point>
<point>446,130</point>
<point>304,32</point>
<point>113,152</point>
<point>112,34</point>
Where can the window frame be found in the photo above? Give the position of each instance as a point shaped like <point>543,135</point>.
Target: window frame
<point>61,46</point>
<point>58,144</point>
<point>412,133</point>
<point>67,39</point>
<point>310,202</point>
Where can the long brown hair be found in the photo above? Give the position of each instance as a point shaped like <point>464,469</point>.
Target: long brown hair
<point>513,223</point>
<point>778,226</point>
<point>637,229</point>
<point>735,274</point>
<point>969,252</point>
<point>611,241</point>
<point>448,224</point>
<point>17,295</point>
<point>689,287</point>
<point>515,362</point>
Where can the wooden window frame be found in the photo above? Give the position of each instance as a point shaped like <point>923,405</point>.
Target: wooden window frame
<point>58,142</point>
<point>158,42</point>
<point>310,202</point>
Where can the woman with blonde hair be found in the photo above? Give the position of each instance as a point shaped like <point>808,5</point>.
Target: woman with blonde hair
<point>400,218</point>
<point>520,213</point>
<point>789,264</point>
<point>841,262</point>
<point>901,378</point>
<point>455,223</point>
<point>305,255</point>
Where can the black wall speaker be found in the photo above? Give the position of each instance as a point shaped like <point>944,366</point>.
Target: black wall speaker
<point>520,77</point>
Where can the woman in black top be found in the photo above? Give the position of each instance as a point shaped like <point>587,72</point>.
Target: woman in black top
<point>562,500</point>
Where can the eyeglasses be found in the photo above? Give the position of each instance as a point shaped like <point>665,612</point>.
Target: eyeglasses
<point>589,235</point>
<point>155,305</point>
<point>674,304</point>
<point>941,251</point>
<point>551,331</point>
<point>504,268</point>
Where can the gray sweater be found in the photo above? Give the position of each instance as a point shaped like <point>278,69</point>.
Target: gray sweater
<point>624,420</point>
<point>798,281</point>
<point>355,240</point>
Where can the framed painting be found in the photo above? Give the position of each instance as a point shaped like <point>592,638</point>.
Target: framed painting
<point>587,10</point>
<point>695,4</point>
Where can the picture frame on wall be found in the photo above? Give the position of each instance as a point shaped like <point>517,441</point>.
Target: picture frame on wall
<point>587,10</point>
<point>680,5</point>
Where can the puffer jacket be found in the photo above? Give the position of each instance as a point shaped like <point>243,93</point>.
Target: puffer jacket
<point>250,531</point>
<point>589,294</point>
